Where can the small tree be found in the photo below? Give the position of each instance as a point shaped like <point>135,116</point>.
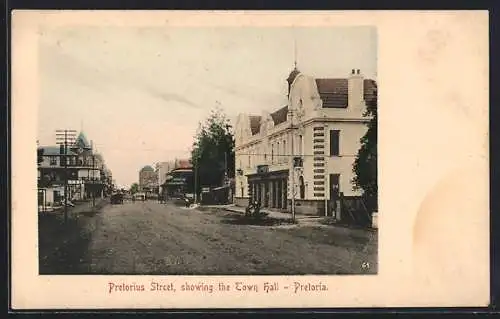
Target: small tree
<point>134,188</point>
<point>365,165</point>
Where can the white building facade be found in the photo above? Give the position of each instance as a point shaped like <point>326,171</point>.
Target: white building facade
<point>163,168</point>
<point>321,125</point>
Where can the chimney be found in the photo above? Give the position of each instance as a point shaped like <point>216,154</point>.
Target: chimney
<point>355,88</point>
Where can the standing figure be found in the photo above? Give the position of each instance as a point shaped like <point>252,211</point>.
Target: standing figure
<point>334,199</point>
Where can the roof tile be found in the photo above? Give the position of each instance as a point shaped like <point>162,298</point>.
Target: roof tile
<point>280,115</point>
<point>255,124</point>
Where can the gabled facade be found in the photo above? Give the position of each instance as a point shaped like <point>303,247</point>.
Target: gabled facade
<point>87,173</point>
<point>321,124</point>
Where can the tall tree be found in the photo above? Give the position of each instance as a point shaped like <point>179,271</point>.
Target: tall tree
<point>365,165</point>
<point>213,150</point>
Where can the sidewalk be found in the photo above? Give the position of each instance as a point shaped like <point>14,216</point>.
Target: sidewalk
<point>80,207</point>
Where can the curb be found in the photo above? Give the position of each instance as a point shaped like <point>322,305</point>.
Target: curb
<point>270,214</point>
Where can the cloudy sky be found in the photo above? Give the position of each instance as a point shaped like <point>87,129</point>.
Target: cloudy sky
<point>139,93</point>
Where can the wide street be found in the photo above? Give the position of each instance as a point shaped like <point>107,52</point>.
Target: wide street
<point>153,238</point>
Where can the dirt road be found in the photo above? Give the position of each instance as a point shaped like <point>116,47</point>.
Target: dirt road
<point>153,238</point>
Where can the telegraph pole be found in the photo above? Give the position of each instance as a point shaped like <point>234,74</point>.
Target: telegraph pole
<point>63,137</point>
<point>195,172</point>
<point>93,180</point>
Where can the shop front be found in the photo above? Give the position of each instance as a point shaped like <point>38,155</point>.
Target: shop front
<point>270,189</point>
<point>178,184</point>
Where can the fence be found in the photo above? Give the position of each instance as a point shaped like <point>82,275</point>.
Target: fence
<point>357,210</point>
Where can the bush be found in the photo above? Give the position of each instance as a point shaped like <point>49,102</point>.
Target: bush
<point>253,212</point>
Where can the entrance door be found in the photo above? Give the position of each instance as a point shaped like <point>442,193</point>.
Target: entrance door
<point>334,192</point>
<point>302,187</point>
<point>279,199</point>
<point>284,193</point>
<point>40,197</point>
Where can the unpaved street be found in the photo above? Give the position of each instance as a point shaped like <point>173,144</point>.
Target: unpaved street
<point>154,238</point>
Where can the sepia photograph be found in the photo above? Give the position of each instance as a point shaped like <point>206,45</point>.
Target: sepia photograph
<point>158,153</point>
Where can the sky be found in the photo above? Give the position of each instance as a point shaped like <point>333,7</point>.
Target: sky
<point>140,93</point>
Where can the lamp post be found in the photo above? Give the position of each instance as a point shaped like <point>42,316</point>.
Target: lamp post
<point>292,166</point>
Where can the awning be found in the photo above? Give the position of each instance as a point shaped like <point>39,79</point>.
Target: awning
<point>174,184</point>
<point>220,187</point>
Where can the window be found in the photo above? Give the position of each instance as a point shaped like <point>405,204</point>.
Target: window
<point>278,151</point>
<point>300,145</point>
<point>272,153</point>
<point>334,142</point>
<point>285,157</point>
<point>53,160</point>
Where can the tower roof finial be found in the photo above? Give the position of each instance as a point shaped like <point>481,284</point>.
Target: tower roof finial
<point>295,52</point>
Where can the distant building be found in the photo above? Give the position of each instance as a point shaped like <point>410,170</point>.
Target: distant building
<point>163,168</point>
<point>148,180</point>
<point>319,129</point>
<point>179,182</point>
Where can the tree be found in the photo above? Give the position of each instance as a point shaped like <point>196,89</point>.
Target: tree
<point>365,165</point>
<point>134,188</point>
<point>213,150</point>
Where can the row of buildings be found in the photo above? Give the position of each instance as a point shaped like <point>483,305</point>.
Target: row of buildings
<point>302,152</point>
<point>76,170</point>
<point>307,147</point>
<point>167,179</point>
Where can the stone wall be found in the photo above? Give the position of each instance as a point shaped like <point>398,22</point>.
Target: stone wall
<point>309,207</point>
<point>241,201</point>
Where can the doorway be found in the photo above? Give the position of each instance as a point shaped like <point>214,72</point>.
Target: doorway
<point>334,193</point>
<point>302,187</point>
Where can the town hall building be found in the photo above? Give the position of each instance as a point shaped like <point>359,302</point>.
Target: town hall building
<point>307,146</point>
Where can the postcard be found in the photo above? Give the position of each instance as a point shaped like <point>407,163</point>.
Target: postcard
<point>249,159</point>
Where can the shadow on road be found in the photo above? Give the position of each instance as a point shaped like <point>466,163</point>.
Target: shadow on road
<point>238,219</point>
<point>62,244</point>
